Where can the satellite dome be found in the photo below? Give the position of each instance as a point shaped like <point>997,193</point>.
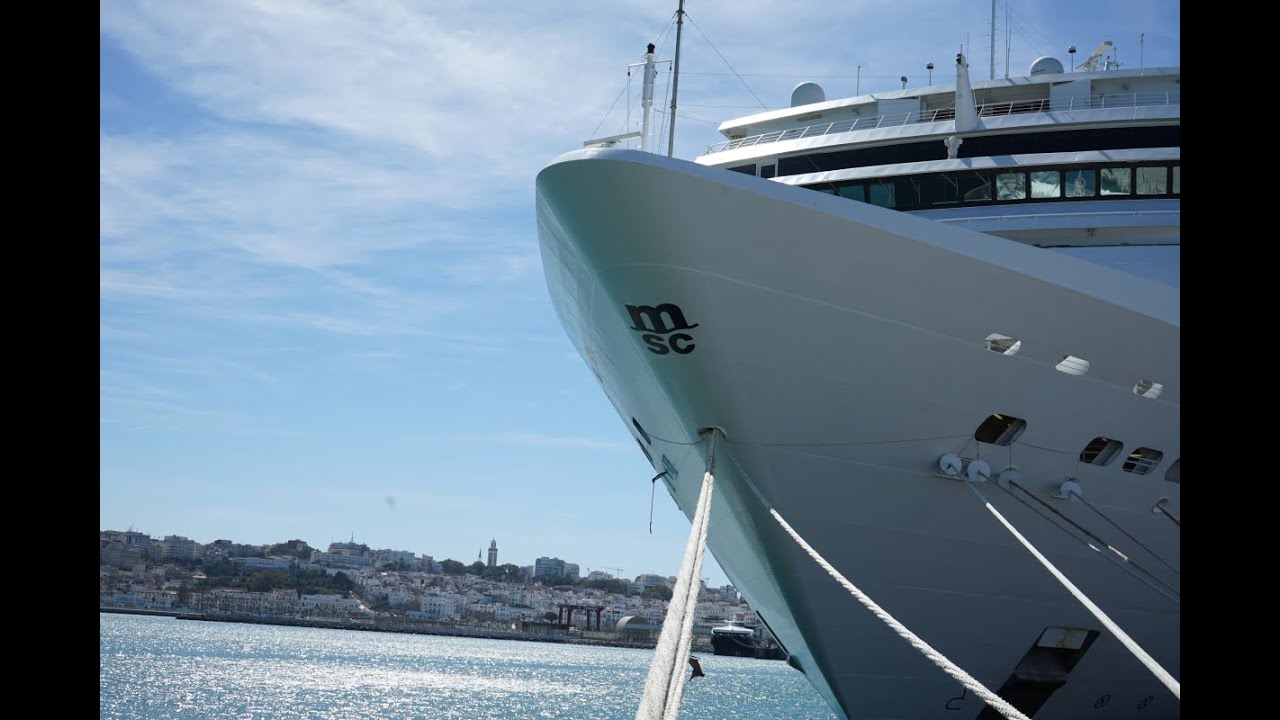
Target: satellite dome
<point>807,93</point>
<point>1046,66</point>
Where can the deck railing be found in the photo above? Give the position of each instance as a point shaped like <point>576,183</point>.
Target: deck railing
<point>1017,107</point>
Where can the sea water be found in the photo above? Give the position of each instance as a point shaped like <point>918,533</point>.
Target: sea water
<point>161,668</point>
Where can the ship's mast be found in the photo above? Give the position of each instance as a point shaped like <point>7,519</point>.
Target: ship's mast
<point>993,40</point>
<point>675,80</point>
<point>646,98</point>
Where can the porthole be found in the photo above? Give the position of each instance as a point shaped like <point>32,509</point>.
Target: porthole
<point>1148,389</point>
<point>1003,344</point>
<point>644,434</point>
<point>1142,461</point>
<point>1000,429</point>
<point>1101,451</point>
<point>646,451</point>
<point>1072,365</point>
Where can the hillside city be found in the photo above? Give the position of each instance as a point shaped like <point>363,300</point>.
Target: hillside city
<point>352,584</point>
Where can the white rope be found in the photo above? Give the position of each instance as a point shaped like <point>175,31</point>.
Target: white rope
<point>955,671</point>
<point>1174,686</point>
<point>664,687</point>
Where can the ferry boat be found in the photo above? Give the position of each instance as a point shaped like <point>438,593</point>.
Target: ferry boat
<point>898,312</point>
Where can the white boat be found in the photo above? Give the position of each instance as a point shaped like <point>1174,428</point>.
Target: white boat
<point>882,338</point>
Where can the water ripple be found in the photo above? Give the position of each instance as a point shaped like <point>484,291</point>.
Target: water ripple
<point>165,669</point>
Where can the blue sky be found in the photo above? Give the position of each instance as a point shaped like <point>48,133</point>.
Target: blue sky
<point>322,310</point>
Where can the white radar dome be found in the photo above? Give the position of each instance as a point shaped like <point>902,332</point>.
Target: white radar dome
<point>1046,66</point>
<point>807,93</point>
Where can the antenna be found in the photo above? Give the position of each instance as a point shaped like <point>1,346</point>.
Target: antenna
<point>993,40</point>
<point>1008,39</point>
<point>675,79</point>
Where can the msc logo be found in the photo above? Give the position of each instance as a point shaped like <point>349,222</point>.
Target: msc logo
<point>664,320</point>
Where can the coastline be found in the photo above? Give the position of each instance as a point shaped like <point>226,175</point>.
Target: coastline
<point>382,626</point>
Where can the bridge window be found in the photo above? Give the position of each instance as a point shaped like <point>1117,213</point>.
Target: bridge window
<point>881,193</point>
<point>1046,184</point>
<point>854,191</point>
<point>975,187</point>
<point>942,190</point>
<point>1153,180</point>
<point>768,171</point>
<point>1011,186</point>
<point>907,193</point>
<point>1116,181</point>
<point>1082,183</point>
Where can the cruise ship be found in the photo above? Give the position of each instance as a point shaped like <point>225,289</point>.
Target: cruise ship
<point>898,313</point>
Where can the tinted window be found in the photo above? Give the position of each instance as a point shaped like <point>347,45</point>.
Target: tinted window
<point>1153,180</point>
<point>854,191</point>
<point>1116,181</point>
<point>1046,184</point>
<point>881,193</point>
<point>1011,186</point>
<point>942,190</point>
<point>1082,183</point>
<point>975,187</point>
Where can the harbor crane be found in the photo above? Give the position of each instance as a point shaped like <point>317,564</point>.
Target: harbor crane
<point>617,571</point>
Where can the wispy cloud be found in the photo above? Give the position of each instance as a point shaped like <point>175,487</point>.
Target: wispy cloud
<point>315,221</point>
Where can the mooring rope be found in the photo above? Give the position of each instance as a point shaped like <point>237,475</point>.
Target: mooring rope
<point>1163,675</point>
<point>956,672</point>
<point>664,687</point>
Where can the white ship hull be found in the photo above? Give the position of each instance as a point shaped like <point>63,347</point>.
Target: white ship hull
<point>840,348</point>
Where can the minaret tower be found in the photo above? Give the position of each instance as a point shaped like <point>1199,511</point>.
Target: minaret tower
<point>493,553</point>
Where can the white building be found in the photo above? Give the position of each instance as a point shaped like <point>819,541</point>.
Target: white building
<point>548,567</point>
<point>257,563</point>
<point>440,606</point>
<point>342,560</point>
<point>176,547</point>
<point>332,604</point>
<point>404,557</point>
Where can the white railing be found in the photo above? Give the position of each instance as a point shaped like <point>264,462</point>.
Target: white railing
<point>1016,107</point>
